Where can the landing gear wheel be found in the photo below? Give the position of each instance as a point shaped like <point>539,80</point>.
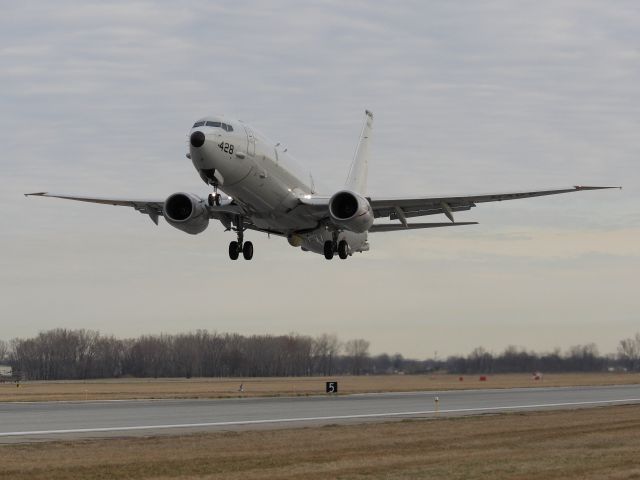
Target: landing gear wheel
<point>247,250</point>
<point>328,249</point>
<point>234,251</point>
<point>214,200</point>
<point>343,249</point>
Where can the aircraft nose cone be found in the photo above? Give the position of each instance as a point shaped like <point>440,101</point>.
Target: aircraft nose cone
<point>197,139</point>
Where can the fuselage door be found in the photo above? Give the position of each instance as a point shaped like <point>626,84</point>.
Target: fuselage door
<point>251,141</point>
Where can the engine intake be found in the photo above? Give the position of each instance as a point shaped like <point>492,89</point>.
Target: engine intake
<point>186,212</point>
<point>351,211</point>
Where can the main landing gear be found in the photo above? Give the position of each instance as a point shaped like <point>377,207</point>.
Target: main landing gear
<point>240,246</point>
<point>236,247</point>
<point>331,247</point>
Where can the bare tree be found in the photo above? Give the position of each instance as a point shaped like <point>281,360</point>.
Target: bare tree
<point>358,351</point>
<point>629,352</point>
<point>480,361</point>
<point>4,350</point>
<point>325,349</point>
<point>188,351</point>
<point>515,359</point>
<point>109,354</point>
<point>79,354</point>
<point>584,358</point>
<point>151,356</point>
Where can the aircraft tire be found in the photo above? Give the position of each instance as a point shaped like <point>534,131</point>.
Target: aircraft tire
<point>328,250</point>
<point>213,200</point>
<point>247,250</point>
<point>234,251</point>
<point>343,249</point>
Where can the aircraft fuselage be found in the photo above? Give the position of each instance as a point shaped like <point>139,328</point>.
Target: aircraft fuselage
<point>261,176</point>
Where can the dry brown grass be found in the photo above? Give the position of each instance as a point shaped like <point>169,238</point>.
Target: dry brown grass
<point>601,443</point>
<point>228,387</point>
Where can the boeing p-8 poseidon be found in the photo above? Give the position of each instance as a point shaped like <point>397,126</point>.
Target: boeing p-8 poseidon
<point>265,190</point>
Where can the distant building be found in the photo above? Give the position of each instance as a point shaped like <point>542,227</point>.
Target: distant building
<point>5,371</point>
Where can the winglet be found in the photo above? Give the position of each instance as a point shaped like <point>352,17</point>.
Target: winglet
<point>357,179</point>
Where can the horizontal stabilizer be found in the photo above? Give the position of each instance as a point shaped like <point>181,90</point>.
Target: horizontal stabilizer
<point>394,227</point>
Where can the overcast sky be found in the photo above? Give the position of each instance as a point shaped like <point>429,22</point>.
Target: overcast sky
<point>468,97</point>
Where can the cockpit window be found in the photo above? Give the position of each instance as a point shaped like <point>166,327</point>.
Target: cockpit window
<point>209,123</point>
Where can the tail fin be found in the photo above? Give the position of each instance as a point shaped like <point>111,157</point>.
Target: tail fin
<point>357,179</point>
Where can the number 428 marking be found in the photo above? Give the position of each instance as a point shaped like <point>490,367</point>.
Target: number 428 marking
<point>225,147</point>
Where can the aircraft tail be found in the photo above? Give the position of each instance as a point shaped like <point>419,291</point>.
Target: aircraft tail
<point>357,179</point>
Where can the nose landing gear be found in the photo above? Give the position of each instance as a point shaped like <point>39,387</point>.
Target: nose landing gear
<point>214,200</point>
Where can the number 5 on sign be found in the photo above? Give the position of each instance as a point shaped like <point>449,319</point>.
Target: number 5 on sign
<point>332,387</point>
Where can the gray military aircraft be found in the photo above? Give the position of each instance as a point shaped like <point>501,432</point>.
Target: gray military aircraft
<point>266,190</point>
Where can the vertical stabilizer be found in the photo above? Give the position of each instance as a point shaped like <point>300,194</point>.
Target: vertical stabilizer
<point>357,179</point>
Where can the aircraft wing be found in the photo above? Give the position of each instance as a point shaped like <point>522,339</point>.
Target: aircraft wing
<point>153,208</point>
<point>402,208</point>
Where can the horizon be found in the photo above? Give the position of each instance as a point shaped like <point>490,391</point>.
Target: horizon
<point>342,342</point>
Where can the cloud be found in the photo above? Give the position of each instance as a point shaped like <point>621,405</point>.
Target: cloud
<point>97,98</point>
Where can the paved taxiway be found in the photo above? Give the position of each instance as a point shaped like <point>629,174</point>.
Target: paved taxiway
<point>20,422</point>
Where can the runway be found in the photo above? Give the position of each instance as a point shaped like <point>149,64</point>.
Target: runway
<point>24,422</point>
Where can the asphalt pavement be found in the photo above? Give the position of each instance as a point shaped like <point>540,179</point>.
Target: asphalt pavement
<point>25,422</point>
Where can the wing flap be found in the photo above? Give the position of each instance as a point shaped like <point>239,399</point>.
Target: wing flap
<point>408,213</point>
<point>394,227</point>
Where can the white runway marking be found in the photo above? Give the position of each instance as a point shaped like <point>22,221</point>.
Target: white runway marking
<point>312,419</point>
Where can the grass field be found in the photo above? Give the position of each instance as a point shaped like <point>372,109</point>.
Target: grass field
<point>219,388</point>
<point>599,443</point>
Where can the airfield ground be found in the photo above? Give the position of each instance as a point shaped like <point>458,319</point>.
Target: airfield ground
<point>597,443</point>
<point>229,387</point>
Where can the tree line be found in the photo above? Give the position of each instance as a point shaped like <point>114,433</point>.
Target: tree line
<point>83,354</point>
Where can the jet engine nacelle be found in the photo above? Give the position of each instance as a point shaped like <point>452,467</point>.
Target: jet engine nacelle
<point>351,211</point>
<point>186,212</point>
